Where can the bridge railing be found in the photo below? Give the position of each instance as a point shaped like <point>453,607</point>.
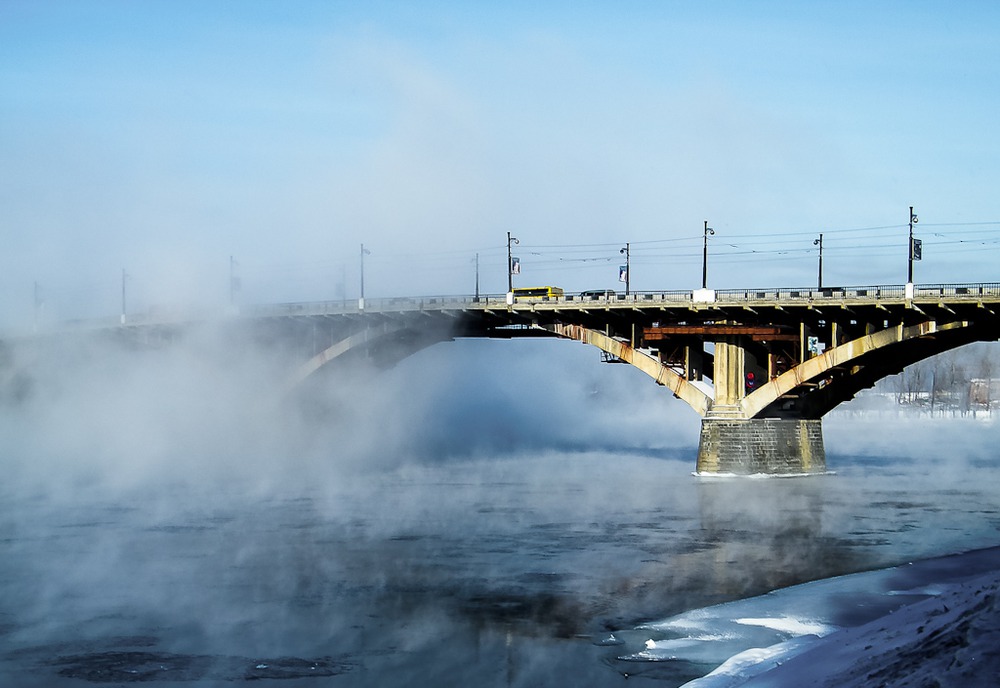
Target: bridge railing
<point>871,292</point>
<point>806,295</point>
<point>896,291</point>
<point>676,296</point>
<point>958,290</point>
<point>395,304</point>
<point>781,295</point>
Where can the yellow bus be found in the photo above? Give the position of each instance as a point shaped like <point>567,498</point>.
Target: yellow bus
<point>538,292</point>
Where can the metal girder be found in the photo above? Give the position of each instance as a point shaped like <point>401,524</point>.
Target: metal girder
<point>761,333</point>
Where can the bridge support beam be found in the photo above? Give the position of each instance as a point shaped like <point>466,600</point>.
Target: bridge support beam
<point>761,446</point>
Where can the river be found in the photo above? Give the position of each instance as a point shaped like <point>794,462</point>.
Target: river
<point>509,570</point>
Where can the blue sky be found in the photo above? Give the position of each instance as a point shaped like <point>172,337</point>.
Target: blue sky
<point>164,137</point>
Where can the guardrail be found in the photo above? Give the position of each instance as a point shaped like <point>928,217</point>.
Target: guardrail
<point>485,301</point>
<point>872,293</point>
<point>806,294</point>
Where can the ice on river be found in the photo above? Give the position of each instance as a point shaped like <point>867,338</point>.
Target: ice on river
<point>936,615</point>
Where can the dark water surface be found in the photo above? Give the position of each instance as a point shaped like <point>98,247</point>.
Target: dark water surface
<point>502,572</point>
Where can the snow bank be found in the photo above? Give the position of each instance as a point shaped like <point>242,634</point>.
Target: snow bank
<point>951,638</point>
<point>937,617</point>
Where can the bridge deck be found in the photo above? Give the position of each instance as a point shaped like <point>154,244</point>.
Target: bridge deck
<point>878,295</point>
<point>771,354</point>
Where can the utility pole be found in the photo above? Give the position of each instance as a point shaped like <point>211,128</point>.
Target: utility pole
<point>510,264</point>
<point>124,276</point>
<point>628,267</point>
<point>477,278</point>
<point>914,249</point>
<point>704,262</point>
<point>819,284</point>
<point>364,252</point>
<point>233,282</point>
<point>38,304</point>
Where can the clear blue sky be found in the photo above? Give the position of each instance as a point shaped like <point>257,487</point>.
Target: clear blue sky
<point>163,137</point>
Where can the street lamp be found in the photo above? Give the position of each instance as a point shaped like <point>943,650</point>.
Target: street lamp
<point>914,249</point>
<point>510,264</point>
<point>234,281</point>
<point>628,267</point>
<point>38,303</point>
<point>477,279</point>
<point>124,277</point>
<point>819,242</point>
<point>704,262</point>
<point>364,252</point>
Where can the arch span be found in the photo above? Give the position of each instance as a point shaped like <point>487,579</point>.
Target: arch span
<point>394,340</point>
<point>695,397</point>
<point>814,387</point>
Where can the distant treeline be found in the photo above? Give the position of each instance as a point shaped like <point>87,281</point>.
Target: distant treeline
<point>964,379</point>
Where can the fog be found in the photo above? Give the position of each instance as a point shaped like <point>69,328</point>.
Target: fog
<point>175,501</point>
<point>183,159</point>
<point>86,416</point>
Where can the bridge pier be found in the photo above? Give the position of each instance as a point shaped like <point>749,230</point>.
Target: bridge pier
<point>761,446</point>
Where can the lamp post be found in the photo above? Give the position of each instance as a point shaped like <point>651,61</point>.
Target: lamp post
<point>628,267</point>
<point>913,249</point>
<point>704,262</point>
<point>234,281</point>
<point>819,242</point>
<point>364,252</point>
<point>477,278</point>
<point>510,264</point>
<point>124,277</point>
<point>38,303</point>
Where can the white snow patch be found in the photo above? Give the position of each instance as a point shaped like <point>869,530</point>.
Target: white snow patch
<point>790,625</point>
<point>741,667</point>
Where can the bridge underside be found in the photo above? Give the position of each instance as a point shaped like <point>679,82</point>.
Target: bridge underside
<point>773,381</point>
<point>761,377</point>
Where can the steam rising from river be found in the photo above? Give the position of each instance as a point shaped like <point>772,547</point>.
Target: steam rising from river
<point>176,495</point>
<point>211,408</point>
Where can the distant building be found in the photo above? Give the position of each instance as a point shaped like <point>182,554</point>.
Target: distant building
<point>984,391</point>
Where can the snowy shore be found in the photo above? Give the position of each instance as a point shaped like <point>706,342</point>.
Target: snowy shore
<point>929,623</point>
<point>951,639</point>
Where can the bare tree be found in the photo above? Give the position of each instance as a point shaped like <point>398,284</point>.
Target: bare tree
<point>987,368</point>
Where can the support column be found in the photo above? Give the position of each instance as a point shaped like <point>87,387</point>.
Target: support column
<point>762,445</point>
<point>728,371</point>
<point>694,358</point>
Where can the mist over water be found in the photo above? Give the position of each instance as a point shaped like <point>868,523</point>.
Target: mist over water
<point>485,512</point>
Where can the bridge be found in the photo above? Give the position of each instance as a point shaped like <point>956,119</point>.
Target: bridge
<point>760,366</point>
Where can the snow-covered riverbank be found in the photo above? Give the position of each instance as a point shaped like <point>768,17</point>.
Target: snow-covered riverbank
<point>936,619</point>
<point>950,639</point>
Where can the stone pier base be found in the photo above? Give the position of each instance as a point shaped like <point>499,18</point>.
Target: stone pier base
<point>747,447</point>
